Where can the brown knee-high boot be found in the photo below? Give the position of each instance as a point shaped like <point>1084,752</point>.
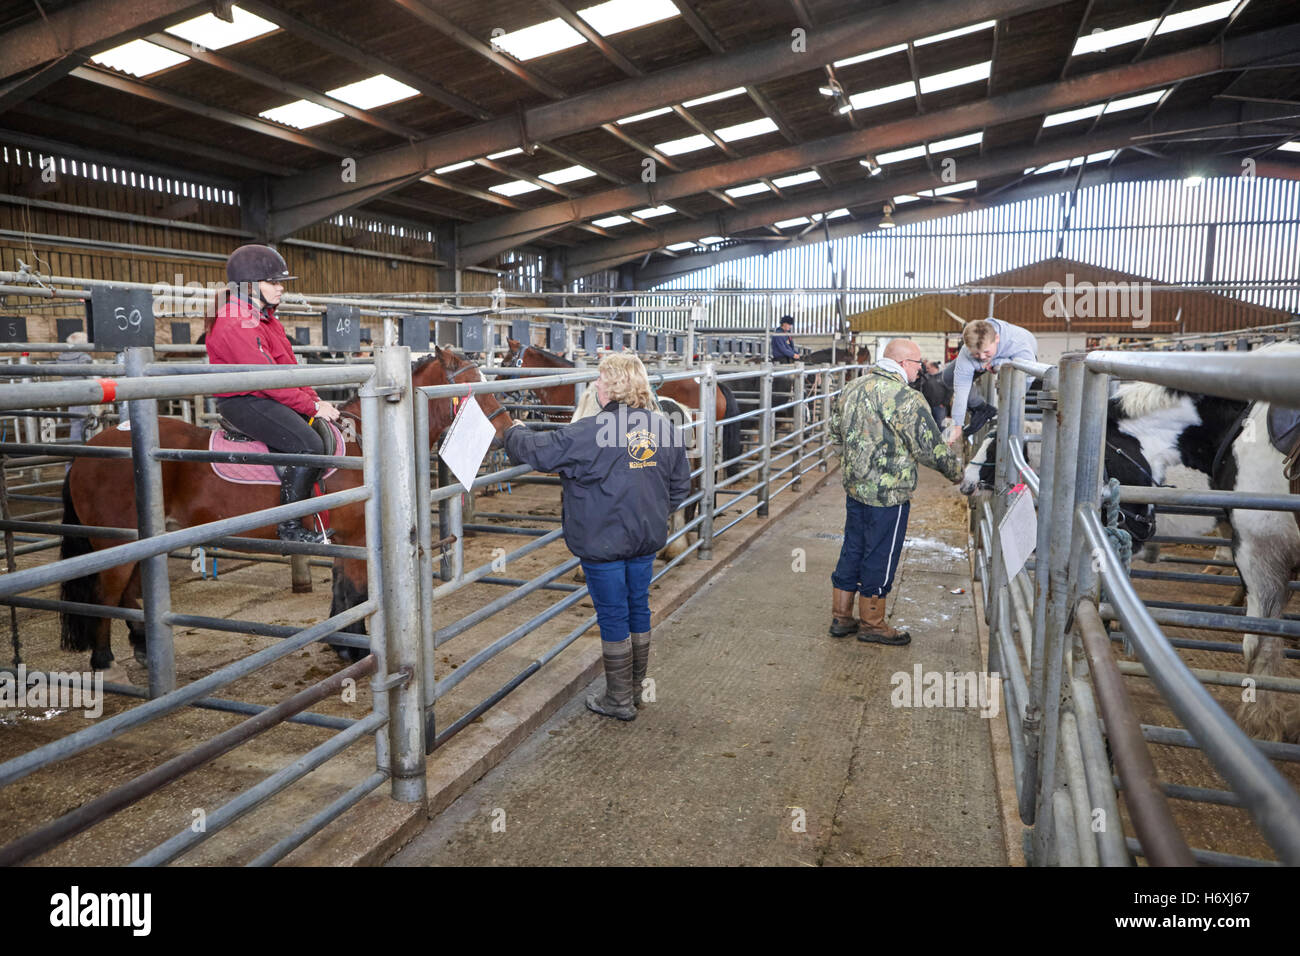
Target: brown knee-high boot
<point>874,628</point>
<point>843,623</point>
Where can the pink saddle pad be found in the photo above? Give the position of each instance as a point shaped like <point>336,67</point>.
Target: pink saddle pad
<point>255,474</point>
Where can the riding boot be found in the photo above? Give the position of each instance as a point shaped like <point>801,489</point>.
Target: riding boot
<point>617,699</point>
<point>874,628</point>
<point>843,623</point>
<point>295,485</point>
<point>640,664</point>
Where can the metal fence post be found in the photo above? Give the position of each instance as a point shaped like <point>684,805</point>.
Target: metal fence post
<point>767,422</point>
<point>708,477</point>
<point>1058,564</point>
<point>155,589</point>
<point>800,420</point>
<point>1087,481</point>
<point>1046,473</point>
<point>398,540</point>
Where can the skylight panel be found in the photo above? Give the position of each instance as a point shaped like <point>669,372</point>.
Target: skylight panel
<point>709,240</point>
<point>899,200</point>
<point>213,33</point>
<point>138,58</point>
<point>955,188</point>
<point>797,179</point>
<point>1071,163</point>
<point>1197,17</point>
<point>514,188</point>
<point>960,32</point>
<point>787,223</point>
<point>957,142</point>
<point>1073,116</point>
<point>301,114</point>
<point>975,73</point>
<point>714,97</point>
<point>566,175</point>
<point>837,214</point>
<point>1130,102</point>
<point>899,155</point>
<point>747,190</point>
<point>687,144</point>
<point>644,116</point>
<point>454,166</point>
<point>616,16</point>
<point>1107,39</point>
<point>653,211</point>
<point>373,92</point>
<point>506,152</point>
<point>873,55</point>
<point>886,94</point>
<point>679,246</point>
<point>541,39</point>
<point>610,221</point>
<point>1291,147</point>
<point>756,127</point>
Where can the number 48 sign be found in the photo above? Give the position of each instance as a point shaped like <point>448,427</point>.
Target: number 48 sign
<point>121,318</point>
<point>341,328</point>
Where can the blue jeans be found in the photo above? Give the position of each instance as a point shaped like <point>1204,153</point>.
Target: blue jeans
<point>873,540</point>
<point>620,591</point>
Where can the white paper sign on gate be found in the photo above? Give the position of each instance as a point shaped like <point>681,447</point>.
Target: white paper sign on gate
<point>466,442</point>
<point>1018,532</point>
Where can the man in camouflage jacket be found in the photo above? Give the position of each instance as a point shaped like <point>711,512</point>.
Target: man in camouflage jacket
<point>884,429</point>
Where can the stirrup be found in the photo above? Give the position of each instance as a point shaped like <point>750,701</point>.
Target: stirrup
<point>297,533</point>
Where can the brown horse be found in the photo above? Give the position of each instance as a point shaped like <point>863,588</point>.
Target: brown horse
<point>99,492</point>
<point>685,391</point>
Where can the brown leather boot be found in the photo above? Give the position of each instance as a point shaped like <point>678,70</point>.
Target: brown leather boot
<point>843,623</point>
<point>874,628</point>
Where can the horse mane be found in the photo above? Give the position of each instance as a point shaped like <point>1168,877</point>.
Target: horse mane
<point>559,358</point>
<point>1139,399</point>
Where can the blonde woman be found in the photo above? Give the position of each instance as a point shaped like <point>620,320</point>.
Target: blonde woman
<point>623,471</point>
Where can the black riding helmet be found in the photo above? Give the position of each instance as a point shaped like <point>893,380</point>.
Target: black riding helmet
<point>257,263</point>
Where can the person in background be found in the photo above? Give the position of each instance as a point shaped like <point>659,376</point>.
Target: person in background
<point>986,345</point>
<point>623,472</point>
<point>884,429</point>
<point>77,426</point>
<point>783,349</point>
<point>247,332</point>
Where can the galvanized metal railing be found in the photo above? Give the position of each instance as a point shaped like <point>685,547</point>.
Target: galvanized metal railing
<point>393,664</point>
<point>1064,707</point>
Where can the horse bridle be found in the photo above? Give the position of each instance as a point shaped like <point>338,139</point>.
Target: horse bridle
<point>455,401</point>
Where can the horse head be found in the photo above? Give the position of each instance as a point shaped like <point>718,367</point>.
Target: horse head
<point>445,367</point>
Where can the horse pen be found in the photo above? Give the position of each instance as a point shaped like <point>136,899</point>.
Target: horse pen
<point>229,656</point>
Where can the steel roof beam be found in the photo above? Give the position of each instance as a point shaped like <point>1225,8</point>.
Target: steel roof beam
<point>89,27</point>
<point>316,195</point>
<point>481,237</point>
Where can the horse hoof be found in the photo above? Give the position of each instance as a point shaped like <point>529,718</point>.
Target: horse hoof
<point>115,673</point>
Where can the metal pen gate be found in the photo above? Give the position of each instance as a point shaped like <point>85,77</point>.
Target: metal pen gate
<point>1049,636</point>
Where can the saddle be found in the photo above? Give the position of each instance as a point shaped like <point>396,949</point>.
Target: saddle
<point>228,438</point>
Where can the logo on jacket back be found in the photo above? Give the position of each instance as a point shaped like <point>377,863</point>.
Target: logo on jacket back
<point>641,446</point>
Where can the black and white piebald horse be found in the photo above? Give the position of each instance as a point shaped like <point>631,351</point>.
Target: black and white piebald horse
<point>1153,428</point>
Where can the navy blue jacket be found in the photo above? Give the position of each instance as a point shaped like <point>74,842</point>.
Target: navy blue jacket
<point>623,472</point>
<point>783,349</point>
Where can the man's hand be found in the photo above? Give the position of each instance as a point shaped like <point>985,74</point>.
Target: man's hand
<point>327,411</point>
<point>951,434</point>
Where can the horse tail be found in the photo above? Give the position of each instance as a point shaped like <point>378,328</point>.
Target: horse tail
<point>76,631</point>
<point>731,446</point>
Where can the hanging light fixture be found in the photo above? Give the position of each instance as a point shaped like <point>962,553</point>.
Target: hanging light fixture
<point>885,221</point>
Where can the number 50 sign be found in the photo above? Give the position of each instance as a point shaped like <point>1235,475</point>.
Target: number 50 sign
<point>121,318</point>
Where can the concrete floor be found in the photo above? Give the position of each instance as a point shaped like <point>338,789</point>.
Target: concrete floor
<point>770,743</point>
